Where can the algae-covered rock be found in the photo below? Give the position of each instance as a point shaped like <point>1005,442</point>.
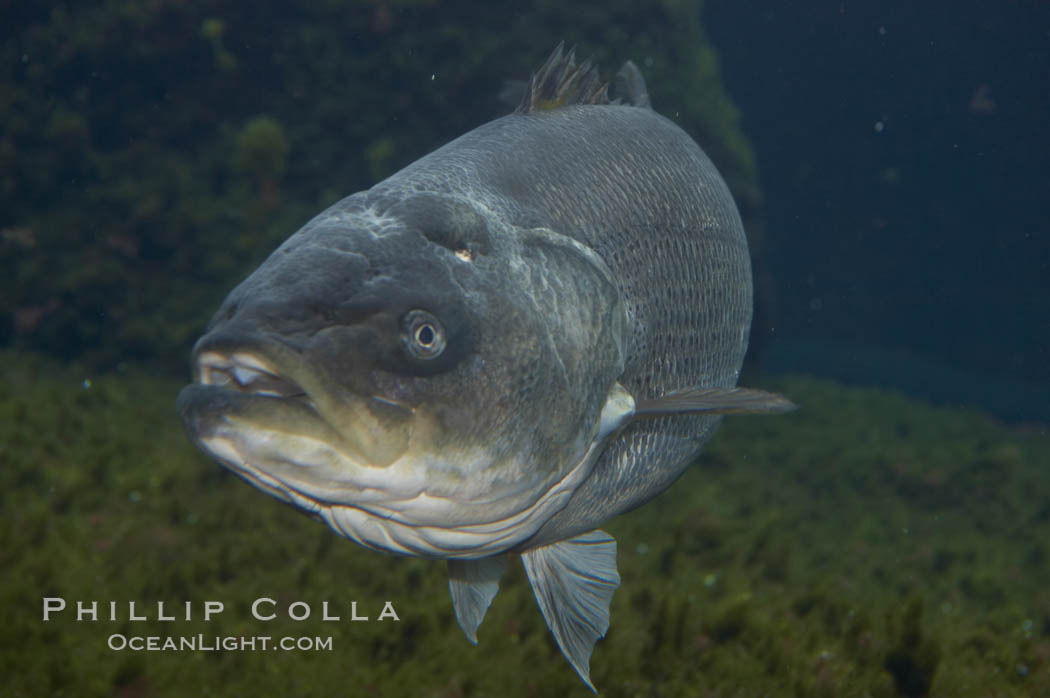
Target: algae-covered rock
<point>104,500</point>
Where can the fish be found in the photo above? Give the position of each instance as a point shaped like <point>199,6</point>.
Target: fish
<point>494,351</point>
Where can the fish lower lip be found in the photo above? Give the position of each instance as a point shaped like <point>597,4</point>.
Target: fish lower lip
<point>247,373</point>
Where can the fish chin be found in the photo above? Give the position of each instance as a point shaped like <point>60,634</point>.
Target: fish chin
<point>422,526</point>
<point>390,509</point>
<point>301,445</point>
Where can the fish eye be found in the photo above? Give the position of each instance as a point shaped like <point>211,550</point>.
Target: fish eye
<point>423,334</point>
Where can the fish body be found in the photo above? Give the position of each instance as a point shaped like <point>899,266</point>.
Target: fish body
<point>497,349</point>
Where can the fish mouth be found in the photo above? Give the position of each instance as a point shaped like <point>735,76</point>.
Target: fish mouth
<point>265,411</point>
<point>247,387</point>
<point>248,373</point>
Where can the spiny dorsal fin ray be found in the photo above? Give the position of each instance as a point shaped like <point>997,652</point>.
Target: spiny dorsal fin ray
<point>473,584</point>
<point>574,581</point>
<point>560,81</point>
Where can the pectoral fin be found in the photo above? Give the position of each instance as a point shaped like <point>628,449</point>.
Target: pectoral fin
<point>714,401</point>
<point>473,584</point>
<point>574,581</point>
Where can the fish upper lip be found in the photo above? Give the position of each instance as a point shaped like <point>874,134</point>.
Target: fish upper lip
<point>248,373</point>
<point>251,372</point>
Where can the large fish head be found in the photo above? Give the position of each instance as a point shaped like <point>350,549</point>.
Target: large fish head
<point>423,376</point>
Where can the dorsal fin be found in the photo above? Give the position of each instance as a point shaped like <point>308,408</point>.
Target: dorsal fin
<point>560,82</point>
<point>630,86</point>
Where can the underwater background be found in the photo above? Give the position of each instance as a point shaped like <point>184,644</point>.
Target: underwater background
<point>892,165</point>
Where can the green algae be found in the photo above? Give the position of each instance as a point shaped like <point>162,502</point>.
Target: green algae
<point>262,147</point>
<point>866,545</point>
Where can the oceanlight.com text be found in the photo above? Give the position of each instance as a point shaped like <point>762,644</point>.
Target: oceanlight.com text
<point>213,643</point>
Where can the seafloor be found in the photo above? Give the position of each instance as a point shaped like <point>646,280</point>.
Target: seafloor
<point>866,545</point>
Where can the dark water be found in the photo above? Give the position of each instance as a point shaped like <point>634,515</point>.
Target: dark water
<point>892,164</point>
<point>905,174</point>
